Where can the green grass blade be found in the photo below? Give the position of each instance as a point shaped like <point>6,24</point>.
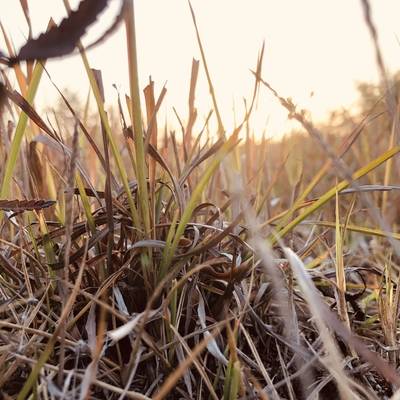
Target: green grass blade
<point>107,127</point>
<point>137,123</point>
<point>19,134</point>
<point>116,153</point>
<point>85,202</point>
<point>194,200</point>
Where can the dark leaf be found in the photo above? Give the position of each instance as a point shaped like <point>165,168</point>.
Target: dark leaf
<point>81,251</point>
<point>25,205</point>
<point>62,39</point>
<point>89,192</point>
<point>16,98</point>
<point>2,96</point>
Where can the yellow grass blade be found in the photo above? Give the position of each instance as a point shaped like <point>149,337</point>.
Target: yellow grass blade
<point>340,273</point>
<point>360,229</point>
<point>332,192</point>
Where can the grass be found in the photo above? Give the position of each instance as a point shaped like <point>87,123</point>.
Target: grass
<point>213,268</point>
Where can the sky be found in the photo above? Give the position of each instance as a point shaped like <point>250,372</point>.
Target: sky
<point>316,51</point>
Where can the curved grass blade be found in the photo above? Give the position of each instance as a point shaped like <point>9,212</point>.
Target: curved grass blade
<point>169,251</point>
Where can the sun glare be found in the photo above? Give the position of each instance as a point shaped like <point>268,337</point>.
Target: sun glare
<point>315,53</point>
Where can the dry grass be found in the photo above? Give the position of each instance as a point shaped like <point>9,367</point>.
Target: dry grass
<point>219,268</point>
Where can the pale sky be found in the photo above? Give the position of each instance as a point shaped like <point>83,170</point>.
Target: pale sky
<point>317,46</point>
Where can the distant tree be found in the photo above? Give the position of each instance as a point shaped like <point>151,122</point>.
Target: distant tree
<point>61,111</point>
<point>372,95</point>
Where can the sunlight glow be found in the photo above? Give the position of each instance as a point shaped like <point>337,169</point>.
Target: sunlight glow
<point>312,46</point>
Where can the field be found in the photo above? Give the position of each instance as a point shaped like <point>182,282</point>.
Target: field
<point>142,262</point>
